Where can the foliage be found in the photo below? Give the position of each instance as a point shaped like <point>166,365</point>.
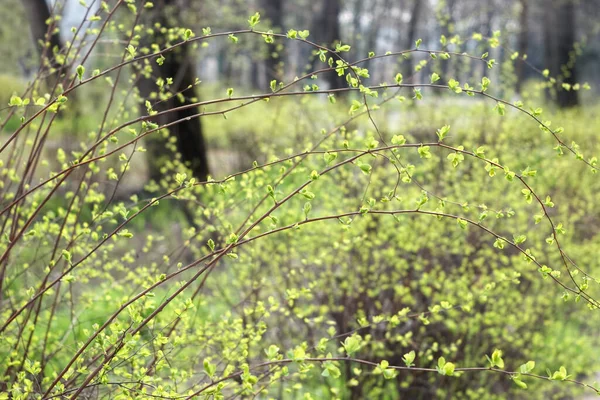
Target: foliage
<point>388,244</point>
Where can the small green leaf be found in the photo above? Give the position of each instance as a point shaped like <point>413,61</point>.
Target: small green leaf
<point>408,358</point>
<point>527,367</point>
<point>329,157</point>
<point>254,20</point>
<point>424,152</point>
<point>352,344</point>
<point>496,359</point>
<point>366,168</point>
<point>442,132</point>
<point>303,34</point>
<point>398,140</point>
<point>80,71</point>
<point>520,383</point>
<point>188,34</point>
<point>398,78</point>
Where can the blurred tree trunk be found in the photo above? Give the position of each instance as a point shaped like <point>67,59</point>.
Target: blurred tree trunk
<point>378,12</point>
<point>559,40</point>
<point>523,44</point>
<point>274,13</point>
<point>180,66</point>
<point>46,39</point>
<point>411,37</point>
<point>326,31</point>
<point>487,13</point>
<point>448,30</point>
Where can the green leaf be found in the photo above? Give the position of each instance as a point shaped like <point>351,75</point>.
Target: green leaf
<point>518,239</point>
<point>308,195</point>
<point>527,367</point>
<point>188,34</point>
<point>303,34</point>
<point>418,43</point>
<point>445,368</point>
<point>434,77</point>
<point>398,78</point>
<point>497,359</point>
<point>331,370</point>
<point>398,140</point>
<point>209,368</point>
<point>389,373</point>
<point>232,238</point>
<point>272,352</point>
<point>519,383</point>
<point>560,375</point>
<point>485,83</point>
<point>351,344</point>
<point>408,358</point>
<point>341,48</point>
<point>454,86</point>
<point>15,101</point>
<point>329,157</point>
<point>424,151</point>
<point>66,255</point>
<point>254,20</point>
<point>131,51</point>
<point>80,71</point>
<point>366,168</point>
<point>449,369</point>
<point>441,362</point>
<point>306,209</point>
<point>500,108</point>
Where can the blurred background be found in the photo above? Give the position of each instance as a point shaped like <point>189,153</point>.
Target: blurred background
<point>545,52</point>
<point>558,35</point>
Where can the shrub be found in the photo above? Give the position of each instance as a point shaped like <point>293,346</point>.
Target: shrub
<point>404,249</point>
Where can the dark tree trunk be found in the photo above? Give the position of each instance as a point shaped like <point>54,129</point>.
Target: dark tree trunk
<point>274,13</point>
<point>411,37</point>
<point>487,13</point>
<point>446,64</point>
<point>326,31</point>
<point>178,65</point>
<point>379,10</point>
<point>47,42</point>
<point>523,44</point>
<point>559,38</point>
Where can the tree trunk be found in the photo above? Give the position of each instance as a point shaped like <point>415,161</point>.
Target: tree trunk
<point>178,65</point>
<point>559,40</point>
<point>326,31</point>
<point>274,13</point>
<point>523,44</point>
<point>46,40</point>
<point>411,37</point>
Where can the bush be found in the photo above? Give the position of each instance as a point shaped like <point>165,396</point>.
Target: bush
<point>373,245</point>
